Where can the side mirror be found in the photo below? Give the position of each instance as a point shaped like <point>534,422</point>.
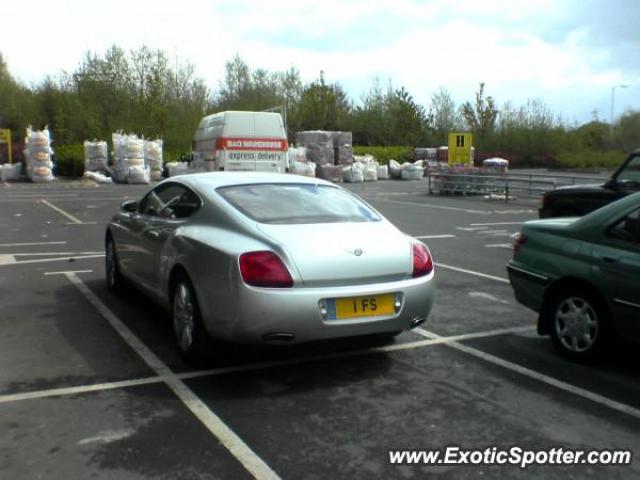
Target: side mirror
<point>611,184</point>
<point>130,206</point>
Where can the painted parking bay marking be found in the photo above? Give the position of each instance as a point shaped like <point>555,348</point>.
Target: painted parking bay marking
<point>60,211</point>
<point>232,442</point>
<point>567,387</point>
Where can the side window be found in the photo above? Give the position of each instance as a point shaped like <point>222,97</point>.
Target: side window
<point>631,172</point>
<point>627,229</point>
<point>170,200</point>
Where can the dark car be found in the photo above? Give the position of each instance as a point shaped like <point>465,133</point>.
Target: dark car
<point>583,277</point>
<point>578,200</point>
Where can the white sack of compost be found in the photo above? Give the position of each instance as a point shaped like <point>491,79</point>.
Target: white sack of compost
<point>353,173</point>
<point>383,172</point>
<point>411,171</point>
<point>370,172</point>
<point>307,169</point>
<point>395,170</point>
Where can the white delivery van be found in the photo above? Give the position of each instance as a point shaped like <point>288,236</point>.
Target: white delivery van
<point>240,141</point>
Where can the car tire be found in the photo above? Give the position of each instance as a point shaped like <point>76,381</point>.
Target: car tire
<point>578,324</point>
<point>191,338</point>
<point>115,281</point>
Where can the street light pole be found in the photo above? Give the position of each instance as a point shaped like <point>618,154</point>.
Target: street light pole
<point>613,96</point>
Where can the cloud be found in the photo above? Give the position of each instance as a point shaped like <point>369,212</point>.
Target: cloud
<point>521,49</point>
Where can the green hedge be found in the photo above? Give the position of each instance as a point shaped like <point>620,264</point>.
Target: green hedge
<point>591,159</point>
<point>384,154</point>
<point>69,160</point>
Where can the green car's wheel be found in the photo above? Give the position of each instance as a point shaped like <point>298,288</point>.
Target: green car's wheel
<point>578,325</point>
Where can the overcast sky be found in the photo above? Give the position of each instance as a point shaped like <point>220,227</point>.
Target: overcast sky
<point>568,53</point>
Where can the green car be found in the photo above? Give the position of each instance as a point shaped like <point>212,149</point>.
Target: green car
<point>583,277</point>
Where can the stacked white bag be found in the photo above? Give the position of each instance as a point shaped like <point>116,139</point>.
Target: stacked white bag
<point>177,168</point>
<point>412,171</point>
<point>128,160</point>
<point>353,173</point>
<point>38,155</point>
<point>95,156</point>
<point>10,171</point>
<point>153,158</point>
<point>298,163</point>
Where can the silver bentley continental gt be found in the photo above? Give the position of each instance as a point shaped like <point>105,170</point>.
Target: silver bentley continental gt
<point>267,258</point>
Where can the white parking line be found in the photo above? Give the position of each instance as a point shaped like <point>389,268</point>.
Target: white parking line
<point>57,392</point>
<point>471,272</point>
<point>64,272</point>
<point>53,254</point>
<point>29,244</point>
<point>429,205</point>
<point>567,387</point>
<point>62,212</point>
<point>495,223</point>
<point>508,246</point>
<point>236,446</point>
<point>10,260</point>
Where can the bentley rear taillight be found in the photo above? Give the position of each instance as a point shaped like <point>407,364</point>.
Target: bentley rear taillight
<point>422,262</point>
<point>264,269</point>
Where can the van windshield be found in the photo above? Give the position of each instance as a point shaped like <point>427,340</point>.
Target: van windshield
<point>288,204</point>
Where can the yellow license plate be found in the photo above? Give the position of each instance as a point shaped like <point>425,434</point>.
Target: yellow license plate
<point>353,307</point>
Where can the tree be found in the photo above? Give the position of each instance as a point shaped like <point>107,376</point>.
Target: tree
<point>443,115</point>
<point>408,121</point>
<point>481,117</point>
<point>324,106</point>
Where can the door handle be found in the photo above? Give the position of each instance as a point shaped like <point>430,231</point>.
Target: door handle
<point>153,234</point>
<point>610,259</point>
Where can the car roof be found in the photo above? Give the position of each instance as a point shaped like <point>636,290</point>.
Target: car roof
<point>209,181</point>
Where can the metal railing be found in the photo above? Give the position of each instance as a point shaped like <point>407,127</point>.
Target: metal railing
<point>500,185</point>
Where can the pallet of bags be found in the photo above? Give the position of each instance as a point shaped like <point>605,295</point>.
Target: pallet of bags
<point>333,173</point>
<point>343,148</point>
<point>296,154</point>
<point>128,160</point>
<point>153,158</point>
<point>37,154</point>
<point>319,146</point>
<point>96,156</point>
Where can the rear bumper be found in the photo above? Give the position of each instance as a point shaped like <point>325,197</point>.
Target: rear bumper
<point>528,287</point>
<point>295,312</point>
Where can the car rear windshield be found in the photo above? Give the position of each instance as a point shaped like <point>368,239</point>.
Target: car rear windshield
<point>297,204</point>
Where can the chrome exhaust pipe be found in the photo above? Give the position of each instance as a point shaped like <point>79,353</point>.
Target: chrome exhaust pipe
<point>279,337</point>
<point>418,321</point>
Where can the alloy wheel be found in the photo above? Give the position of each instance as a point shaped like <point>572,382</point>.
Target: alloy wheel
<point>577,325</point>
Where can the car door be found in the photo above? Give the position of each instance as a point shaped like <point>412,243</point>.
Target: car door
<point>618,264</point>
<point>173,204</point>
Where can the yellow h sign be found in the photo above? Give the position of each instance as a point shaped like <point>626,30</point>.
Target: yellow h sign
<point>5,137</point>
<point>460,148</point>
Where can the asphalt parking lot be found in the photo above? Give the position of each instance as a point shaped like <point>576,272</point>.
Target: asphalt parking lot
<point>91,385</point>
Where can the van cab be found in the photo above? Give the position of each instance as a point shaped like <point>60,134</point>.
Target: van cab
<point>240,141</point>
